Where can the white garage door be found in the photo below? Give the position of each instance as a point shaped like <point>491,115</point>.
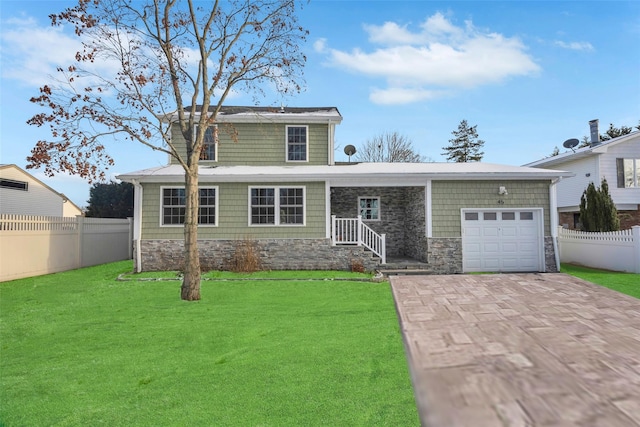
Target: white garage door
<point>502,240</point>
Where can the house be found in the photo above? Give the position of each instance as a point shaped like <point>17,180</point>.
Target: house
<point>278,186</point>
<point>23,194</point>
<point>616,160</point>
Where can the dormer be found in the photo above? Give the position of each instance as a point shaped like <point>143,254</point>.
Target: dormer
<point>267,136</point>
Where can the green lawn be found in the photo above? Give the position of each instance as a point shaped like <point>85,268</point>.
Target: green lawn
<point>79,349</point>
<point>626,283</point>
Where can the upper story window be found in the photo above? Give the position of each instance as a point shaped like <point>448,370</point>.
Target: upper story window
<point>297,143</point>
<point>276,206</point>
<point>628,173</point>
<point>369,208</point>
<point>14,185</point>
<point>210,147</point>
<point>174,203</point>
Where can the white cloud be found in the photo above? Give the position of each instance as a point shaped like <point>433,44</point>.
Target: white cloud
<point>582,46</point>
<point>399,95</point>
<point>439,55</point>
<point>31,53</point>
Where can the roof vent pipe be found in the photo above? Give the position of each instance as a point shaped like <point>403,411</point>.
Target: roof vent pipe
<point>595,134</point>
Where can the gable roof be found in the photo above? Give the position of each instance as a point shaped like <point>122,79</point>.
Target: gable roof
<point>64,198</point>
<point>583,152</point>
<point>378,174</point>
<point>248,114</point>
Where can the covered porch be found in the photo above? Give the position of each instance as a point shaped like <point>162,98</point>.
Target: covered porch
<point>388,221</point>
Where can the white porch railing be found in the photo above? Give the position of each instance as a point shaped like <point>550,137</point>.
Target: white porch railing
<point>352,231</point>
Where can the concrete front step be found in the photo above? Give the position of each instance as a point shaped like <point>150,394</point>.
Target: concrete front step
<point>404,272</point>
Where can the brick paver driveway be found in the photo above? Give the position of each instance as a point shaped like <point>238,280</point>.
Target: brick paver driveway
<point>520,350</point>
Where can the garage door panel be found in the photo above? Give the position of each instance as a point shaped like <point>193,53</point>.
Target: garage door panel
<point>502,241</point>
<point>528,231</point>
<point>509,231</point>
<point>510,247</point>
<point>491,231</point>
<point>508,263</point>
<point>473,231</point>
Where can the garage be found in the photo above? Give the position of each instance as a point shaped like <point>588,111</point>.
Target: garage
<point>502,240</point>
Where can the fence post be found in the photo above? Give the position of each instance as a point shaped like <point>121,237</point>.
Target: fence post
<point>383,250</point>
<point>635,232</point>
<point>80,234</point>
<point>359,230</point>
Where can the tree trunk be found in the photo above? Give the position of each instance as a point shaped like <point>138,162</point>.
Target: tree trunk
<point>190,290</point>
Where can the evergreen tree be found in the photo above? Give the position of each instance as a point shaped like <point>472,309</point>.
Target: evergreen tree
<point>465,147</point>
<point>111,200</point>
<point>597,210</point>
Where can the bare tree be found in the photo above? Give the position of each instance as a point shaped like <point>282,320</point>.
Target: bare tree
<point>167,58</point>
<point>389,147</point>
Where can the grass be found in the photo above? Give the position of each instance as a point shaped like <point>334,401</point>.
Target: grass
<point>79,348</point>
<point>260,275</point>
<point>626,283</point>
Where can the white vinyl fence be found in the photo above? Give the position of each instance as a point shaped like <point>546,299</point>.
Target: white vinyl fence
<point>616,250</point>
<point>35,245</point>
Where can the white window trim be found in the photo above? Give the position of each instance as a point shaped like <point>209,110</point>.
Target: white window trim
<point>215,145</point>
<point>379,207</point>
<point>276,196</point>
<point>286,144</point>
<point>161,218</point>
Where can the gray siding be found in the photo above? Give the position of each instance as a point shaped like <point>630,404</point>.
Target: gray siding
<point>448,197</point>
<point>233,214</point>
<point>260,144</point>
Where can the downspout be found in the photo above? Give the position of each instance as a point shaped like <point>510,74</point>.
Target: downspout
<point>137,222</point>
<point>553,219</point>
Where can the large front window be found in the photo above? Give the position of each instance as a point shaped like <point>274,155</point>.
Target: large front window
<point>277,206</point>
<point>174,202</point>
<point>628,173</point>
<point>297,143</point>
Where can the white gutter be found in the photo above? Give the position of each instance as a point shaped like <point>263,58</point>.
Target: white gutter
<point>553,219</point>
<point>137,222</point>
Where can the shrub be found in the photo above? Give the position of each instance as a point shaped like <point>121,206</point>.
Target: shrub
<point>246,257</point>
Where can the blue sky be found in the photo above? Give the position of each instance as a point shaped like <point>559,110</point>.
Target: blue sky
<point>529,74</point>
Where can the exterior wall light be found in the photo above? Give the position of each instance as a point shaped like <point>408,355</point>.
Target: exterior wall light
<point>502,191</point>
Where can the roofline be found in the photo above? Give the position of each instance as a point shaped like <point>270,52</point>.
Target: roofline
<point>351,178</point>
<point>583,152</point>
<point>62,195</point>
<point>245,114</point>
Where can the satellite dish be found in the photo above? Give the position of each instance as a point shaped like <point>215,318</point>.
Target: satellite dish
<point>570,143</point>
<point>349,150</point>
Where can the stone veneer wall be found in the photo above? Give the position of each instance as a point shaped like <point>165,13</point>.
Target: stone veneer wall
<point>275,254</point>
<point>445,255</point>
<point>402,216</point>
<point>550,256</point>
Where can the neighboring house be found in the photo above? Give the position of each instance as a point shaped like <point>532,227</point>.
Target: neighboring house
<point>21,193</point>
<point>617,160</point>
<point>277,185</point>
